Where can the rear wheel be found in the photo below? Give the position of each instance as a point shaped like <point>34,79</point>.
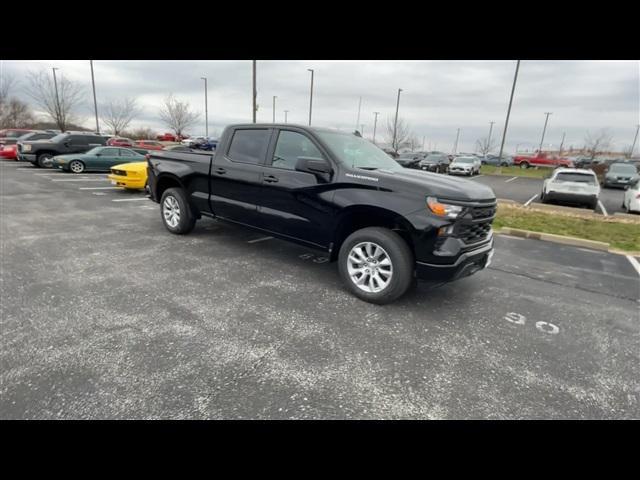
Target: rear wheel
<point>524,165</point>
<point>176,211</point>
<point>376,265</point>
<point>76,166</point>
<point>542,197</point>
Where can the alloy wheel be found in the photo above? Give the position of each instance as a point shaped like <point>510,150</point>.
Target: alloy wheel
<point>369,267</point>
<point>171,211</point>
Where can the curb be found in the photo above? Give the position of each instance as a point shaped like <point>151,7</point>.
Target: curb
<point>550,237</point>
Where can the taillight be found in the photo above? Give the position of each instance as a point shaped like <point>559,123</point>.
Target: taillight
<point>637,195</point>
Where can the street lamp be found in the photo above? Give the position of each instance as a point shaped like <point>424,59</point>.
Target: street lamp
<point>255,92</point>
<point>310,95</point>
<point>635,139</point>
<point>455,145</point>
<point>544,130</point>
<point>55,83</point>
<point>395,123</point>
<point>95,102</point>
<point>358,120</point>
<point>274,108</point>
<point>285,115</point>
<point>375,122</point>
<point>489,140</point>
<point>506,123</point>
<point>206,109</point>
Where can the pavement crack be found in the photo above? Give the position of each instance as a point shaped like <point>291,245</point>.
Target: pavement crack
<point>531,277</point>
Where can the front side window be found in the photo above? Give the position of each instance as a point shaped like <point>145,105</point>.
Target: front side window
<point>249,146</point>
<point>291,146</point>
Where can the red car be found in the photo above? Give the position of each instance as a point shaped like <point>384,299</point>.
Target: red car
<point>170,137</point>
<point>12,134</point>
<point>120,142</point>
<point>148,144</point>
<point>542,159</point>
<point>9,152</point>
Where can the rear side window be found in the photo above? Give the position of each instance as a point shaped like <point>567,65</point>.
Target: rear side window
<point>576,177</point>
<point>249,146</point>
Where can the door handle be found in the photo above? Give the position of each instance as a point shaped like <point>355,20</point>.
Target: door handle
<point>270,179</point>
<point>220,171</point>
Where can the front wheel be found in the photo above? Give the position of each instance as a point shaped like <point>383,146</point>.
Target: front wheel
<point>76,166</point>
<point>44,160</point>
<point>176,211</point>
<point>376,265</point>
<point>524,165</point>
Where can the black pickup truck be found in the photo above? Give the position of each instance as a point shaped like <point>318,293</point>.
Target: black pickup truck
<point>337,192</point>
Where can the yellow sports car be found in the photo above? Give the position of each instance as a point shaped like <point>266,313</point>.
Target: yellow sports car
<point>131,176</point>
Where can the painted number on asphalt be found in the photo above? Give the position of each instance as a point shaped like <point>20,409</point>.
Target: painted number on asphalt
<point>544,327</point>
<point>314,258</point>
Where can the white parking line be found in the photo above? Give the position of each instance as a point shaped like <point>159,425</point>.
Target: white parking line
<point>79,180</point>
<point>260,239</point>
<point>531,200</point>
<point>511,180</point>
<point>604,210</point>
<point>100,188</point>
<point>130,199</point>
<point>635,263</point>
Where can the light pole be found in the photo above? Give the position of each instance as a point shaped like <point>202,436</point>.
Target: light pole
<point>544,130</point>
<point>310,95</point>
<point>561,144</point>
<point>358,120</point>
<point>95,102</point>
<point>375,122</point>
<point>206,109</point>
<point>455,145</point>
<point>274,108</point>
<point>395,123</point>
<point>506,123</point>
<point>635,139</point>
<point>489,140</point>
<point>55,83</point>
<point>255,93</point>
<point>285,115</point>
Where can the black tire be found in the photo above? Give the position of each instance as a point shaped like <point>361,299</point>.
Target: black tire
<point>78,166</point>
<point>186,220</point>
<point>399,254</point>
<point>524,165</point>
<point>42,159</point>
<point>542,197</point>
<point>593,205</point>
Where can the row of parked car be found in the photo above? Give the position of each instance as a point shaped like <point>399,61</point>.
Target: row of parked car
<point>460,164</point>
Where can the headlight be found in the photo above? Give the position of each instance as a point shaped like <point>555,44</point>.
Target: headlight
<point>443,209</point>
<point>27,148</point>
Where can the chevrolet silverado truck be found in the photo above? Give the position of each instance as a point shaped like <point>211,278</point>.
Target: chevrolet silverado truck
<point>385,225</point>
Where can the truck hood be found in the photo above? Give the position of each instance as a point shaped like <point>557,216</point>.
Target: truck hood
<point>441,186</point>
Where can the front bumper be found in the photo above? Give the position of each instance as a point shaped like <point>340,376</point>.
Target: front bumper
<point>27,157</point>
<point>127,182</point>
<point>575,198</point>
<point>614,182</point>
<point>455,171</point>
<point>467,264</point>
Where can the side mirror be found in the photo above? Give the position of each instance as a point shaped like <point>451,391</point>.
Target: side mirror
<point>313,165</point>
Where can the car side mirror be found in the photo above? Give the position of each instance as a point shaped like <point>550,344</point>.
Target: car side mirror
<point>313,165</point>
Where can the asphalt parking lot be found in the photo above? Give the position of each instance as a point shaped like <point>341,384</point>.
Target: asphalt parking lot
<point>107,315</point>
<point>524,189</point>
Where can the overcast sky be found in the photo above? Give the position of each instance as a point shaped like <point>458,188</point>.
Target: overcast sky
<point>438,96</point>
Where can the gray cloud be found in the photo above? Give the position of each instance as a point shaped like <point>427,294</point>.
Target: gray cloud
<point>438,96</point>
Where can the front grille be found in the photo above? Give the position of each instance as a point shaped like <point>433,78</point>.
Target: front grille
<point>483,212</point>
<point>122,173</point>
<point>474,232</point>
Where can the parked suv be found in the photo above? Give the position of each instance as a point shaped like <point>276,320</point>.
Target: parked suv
<point>40,152</point>
<point>384,224</point>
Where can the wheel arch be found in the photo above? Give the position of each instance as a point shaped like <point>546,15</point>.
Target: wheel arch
<point>357,217</point>
<point>165,181</point>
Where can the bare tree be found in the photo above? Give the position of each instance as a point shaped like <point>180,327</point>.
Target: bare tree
<point>403,134</point>
<point>484,146</point>
<point>118,114</point>
<point>628,151</point>
<point>15,114</point>
<point>177,115</point>
<point>6,84</point>
<point>61,105</point>
<point>596,144</point>
<point>141,134</point>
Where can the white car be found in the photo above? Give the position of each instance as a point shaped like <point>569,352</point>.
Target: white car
<point>464,166</point>
<point>572,185</point>
<point>631,201</point>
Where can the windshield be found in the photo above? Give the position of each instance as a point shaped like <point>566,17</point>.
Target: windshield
<point>623,168</point>
<point>576,177</point>
<point>464,160</point>
<point>357,152</point>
